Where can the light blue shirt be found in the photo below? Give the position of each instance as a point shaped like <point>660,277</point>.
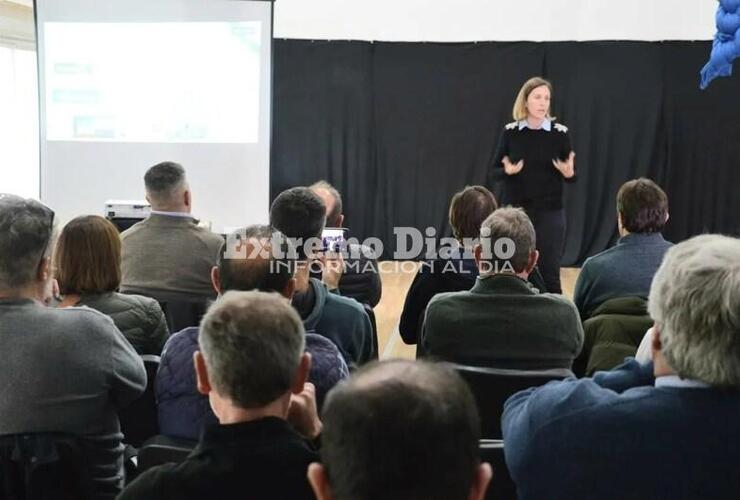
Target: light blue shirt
<point>172,214</point>
<point>676,381</point>
<point>546,125</point>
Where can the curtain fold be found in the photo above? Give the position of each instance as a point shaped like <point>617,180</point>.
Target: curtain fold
<point>399,127</point>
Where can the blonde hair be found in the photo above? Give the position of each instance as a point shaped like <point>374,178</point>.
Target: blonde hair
<point>520,105</point>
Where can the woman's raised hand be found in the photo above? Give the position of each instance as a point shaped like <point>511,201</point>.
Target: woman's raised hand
<point>512,168</point>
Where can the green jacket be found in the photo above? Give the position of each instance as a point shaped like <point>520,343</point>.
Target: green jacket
<point>612,333</point>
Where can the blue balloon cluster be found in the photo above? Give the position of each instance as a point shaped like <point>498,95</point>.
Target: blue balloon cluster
<point>726,46</point>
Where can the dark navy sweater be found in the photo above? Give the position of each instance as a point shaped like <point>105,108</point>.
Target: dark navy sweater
<point>617,436</point>
<point>539,185</point>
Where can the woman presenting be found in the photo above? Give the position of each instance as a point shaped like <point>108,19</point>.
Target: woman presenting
<point>532,160</point>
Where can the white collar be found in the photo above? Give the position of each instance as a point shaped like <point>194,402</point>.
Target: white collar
<point>683,383</point>
<point>546,125</point>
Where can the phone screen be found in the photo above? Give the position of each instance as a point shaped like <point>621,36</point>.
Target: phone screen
<point>333,238</point>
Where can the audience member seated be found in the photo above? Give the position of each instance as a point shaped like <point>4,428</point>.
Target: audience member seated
<point>627,269</point>
<point>502,322</point>
<point>63,370</point>
<point>183,411</point>
<point>300,215</point>
<point>253,368</point>
<point>168,254</point>
<point>361,279</point>
<point>468,209</point>
<point>400,430</point>
<point>87,265</point>
<point>665,429</point>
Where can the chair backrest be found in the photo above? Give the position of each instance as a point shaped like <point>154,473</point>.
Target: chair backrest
<point>493,386</point>
<point>43,466</point>
<point>179,310</point>
<point>181,314</point>
<point>501,486</point>
<point>371,313</point>
<point>163,449</point>
<point>139,419</point>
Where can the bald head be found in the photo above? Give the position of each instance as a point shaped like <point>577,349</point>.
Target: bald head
<point>332,200</point>
<point>255,258</point>
<point>420,417</point>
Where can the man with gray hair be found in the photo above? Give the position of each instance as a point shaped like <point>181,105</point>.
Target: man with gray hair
<point>665,429</point>
<point>63,370</point>
<point>168,256</point>
<point>252,366</point>
<point>502,322</point>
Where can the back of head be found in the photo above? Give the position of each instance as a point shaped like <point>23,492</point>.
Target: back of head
<point>252,343</point>
<point>642,206</point>
<point>332,199</point>
<point>695,302</point>
<point>165,184</point>
<point>26,228</point>
<point>262,261</point>
<point>298,213</point>
<point>401,430</point>
<point>87,258</point>
<point>468,209</point>
<point>510,238</point>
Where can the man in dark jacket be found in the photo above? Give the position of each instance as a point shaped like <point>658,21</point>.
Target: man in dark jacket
<point>468,209</point>
<point>458,272</point>
<point>300,215</point>
<point>183,412</point>
<point>253,368</point>
<point>401,430</point>
<point>361,278</point>
<point>502,322</point>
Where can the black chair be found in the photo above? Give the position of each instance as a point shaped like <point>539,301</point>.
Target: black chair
<point>180,311</point>
<point>493,386</point>
<point>376,345</point>
<point>139,419</point>
<point>501,486</point>
<point>163,449</point>
<point>43,466</point>
<point>182,314</point>
<point>123,223</point>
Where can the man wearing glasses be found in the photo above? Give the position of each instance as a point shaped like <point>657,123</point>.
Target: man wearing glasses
<point>64,370</point>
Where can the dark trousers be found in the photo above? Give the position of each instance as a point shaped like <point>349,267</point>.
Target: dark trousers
<point>549,226</point>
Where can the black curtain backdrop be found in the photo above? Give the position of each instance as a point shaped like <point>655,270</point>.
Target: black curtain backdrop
<point>399,127</point>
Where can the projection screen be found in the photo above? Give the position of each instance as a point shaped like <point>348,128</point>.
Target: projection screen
<point>124,85</point>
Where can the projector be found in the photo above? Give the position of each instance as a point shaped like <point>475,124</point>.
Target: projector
<point>127,209</point>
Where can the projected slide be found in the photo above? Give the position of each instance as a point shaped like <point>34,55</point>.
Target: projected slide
<point>153,82</point>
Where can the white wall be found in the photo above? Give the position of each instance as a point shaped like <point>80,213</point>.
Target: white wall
<point>465,20</point>
<point>502,20</point>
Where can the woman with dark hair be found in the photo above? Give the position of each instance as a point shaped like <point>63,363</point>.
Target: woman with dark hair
<point>468,209</point>
<point>87,264</point>
<point>533,159</point>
